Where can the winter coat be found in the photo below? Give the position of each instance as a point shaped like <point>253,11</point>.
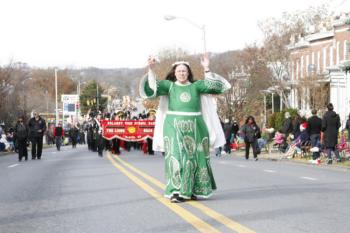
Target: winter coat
<point>287,127</point>
<point>235,128</point>
<point>73,133</point>
<point>347,126</point>
<point>227,127</point>
<point>330,128</point>
<point>58,131</point>
<point>36,127</point>
<point>251,132</point>
<point>21,131</point>
<point>314,125</point>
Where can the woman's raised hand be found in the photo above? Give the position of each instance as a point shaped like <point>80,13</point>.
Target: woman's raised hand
<point>205,62</point>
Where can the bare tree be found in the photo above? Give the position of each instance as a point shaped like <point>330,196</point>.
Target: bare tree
<point>277,35</point>
<point>249,74</point>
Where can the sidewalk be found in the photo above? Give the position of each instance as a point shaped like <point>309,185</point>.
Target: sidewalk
<point>278,156</point>
<point>3,153</point>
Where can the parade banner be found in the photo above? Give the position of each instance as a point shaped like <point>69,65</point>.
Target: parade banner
<point>128,130</point>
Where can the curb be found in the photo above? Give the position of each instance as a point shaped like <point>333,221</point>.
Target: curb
<point>6,153</point>
<point>301,162</point>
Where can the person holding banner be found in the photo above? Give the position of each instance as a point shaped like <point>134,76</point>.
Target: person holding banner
<point>98,131</point>
<point>116,141</point>
<point>151,116</point>
<point>184,115</point>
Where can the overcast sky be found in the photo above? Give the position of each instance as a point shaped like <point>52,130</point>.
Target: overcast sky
<point>122,33</point>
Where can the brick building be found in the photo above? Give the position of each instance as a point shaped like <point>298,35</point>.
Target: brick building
<point>318,66</point>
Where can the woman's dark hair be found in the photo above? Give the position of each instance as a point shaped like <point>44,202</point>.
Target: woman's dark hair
<point>330,107</point>
<point>20,118</point>
<point>248,118</point>
<point>171,75</point>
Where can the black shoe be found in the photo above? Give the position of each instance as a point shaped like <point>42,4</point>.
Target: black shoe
<point>256,159</point>
<point>39,157</point>
<point>176,199</point>
<point>193,197</point>
<point>33,158</point>
<point>338,160</point>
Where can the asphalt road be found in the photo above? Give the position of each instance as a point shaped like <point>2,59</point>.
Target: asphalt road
<point>75,191</point>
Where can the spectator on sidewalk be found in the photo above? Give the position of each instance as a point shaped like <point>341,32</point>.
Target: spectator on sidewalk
<point>4,145</point>
<point>347,127</point>
<point>228,131</point>
<point>314,130</point>
<point>11,139</point>
<point>235,129</point>
<point>330,128</point>
<point>287,126</point>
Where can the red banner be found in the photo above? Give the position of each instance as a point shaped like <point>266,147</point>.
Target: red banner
<point>128,130</point>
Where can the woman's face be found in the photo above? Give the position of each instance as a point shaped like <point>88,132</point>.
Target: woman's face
<point>181,73</point>
<point>250,121</point>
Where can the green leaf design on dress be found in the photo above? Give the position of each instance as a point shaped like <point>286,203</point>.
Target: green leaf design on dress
<point>175,172</point>
<point>205,145</point>
<point>189,144</point>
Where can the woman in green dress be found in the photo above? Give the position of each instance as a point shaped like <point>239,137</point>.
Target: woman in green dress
<point>182,131</point>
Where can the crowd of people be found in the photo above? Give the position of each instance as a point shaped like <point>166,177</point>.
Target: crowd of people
<point>18,138</point>
<point>298,135</point>
<point>313,135</point>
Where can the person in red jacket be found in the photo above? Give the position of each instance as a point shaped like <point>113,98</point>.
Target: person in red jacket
<point>59,134</point>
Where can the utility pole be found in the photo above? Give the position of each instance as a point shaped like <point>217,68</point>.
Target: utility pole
<point>97,99</point>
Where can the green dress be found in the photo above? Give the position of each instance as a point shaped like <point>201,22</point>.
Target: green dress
<point>186,139</point>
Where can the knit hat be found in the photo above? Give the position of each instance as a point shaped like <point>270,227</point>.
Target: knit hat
<point>303,126</point>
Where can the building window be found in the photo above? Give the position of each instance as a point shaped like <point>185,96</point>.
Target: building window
<point>344,49</point>
<point>302,67</point>
<point>318,61</point>
<point>337,53</point>
<point>331,56</point>
<point>307,65</point>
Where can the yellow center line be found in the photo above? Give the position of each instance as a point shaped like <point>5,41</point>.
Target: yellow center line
<point>198,223</point>
<point>229,223</point>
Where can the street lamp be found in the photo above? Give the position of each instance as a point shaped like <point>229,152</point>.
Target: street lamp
<point>201,27</point>
<point>56,97</point>
<point>25,96</point>
<point>78,93</point>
